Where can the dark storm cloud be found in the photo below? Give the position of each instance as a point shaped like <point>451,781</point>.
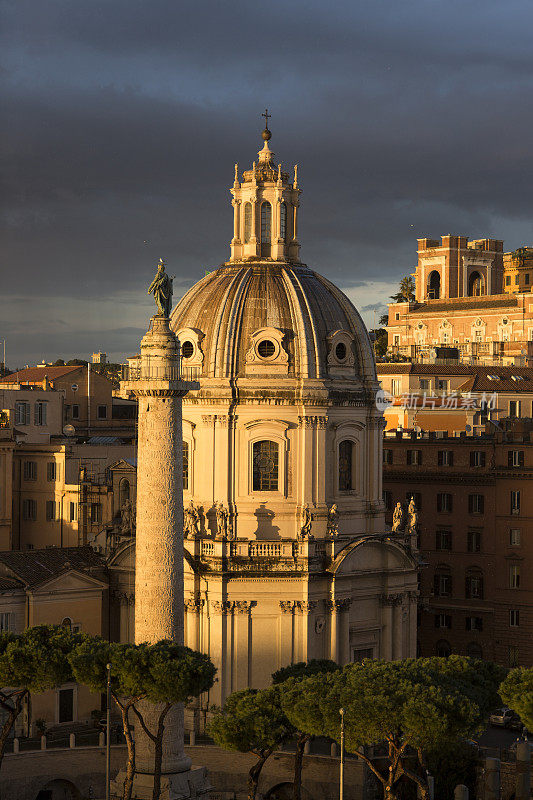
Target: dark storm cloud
<point>123,121</point>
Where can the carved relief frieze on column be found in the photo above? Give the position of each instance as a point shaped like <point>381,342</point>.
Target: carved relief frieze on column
<point>305,606</point>
<point>222,607</point>
<point>286,606</point>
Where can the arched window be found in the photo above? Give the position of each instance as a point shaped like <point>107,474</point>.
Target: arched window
<point>124,491</point>
<point>346,465</point>
<point>476,285</point>
<point>265,466</point>
<point>185,465</point>
<point>443,649</point>
<point>266,228</point>
<point>474,650</point>
<point>67,623</point>
<point>283,221</point>
<point>247,222</point>
<point>434,285</point>
<point>474,583</point>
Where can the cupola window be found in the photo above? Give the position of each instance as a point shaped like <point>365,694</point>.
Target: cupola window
<point>340,351</point>
<point>266,228</point>
<point>247,222</point>
<point>345,465</point>
<point>283,221</point>
<point>265,455</point>
<point>266,348</point>
<point>187,349</point>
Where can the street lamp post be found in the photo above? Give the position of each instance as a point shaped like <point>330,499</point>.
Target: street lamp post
<point>341,766</point>
<point>108,737</point>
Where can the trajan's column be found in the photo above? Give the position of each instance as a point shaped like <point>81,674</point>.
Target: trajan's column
<point>158,385</point>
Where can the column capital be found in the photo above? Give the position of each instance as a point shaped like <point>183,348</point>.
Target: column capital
<point>286,606</point>
<point>222,607</point>
<point>244,606</point>
<point>305,606</point>
<point>194,604</point>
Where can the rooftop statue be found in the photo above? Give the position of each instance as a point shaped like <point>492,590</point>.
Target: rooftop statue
<point>397,518</point>
<point>161,288</point>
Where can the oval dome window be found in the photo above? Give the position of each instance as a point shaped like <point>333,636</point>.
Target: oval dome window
<point>187,349</point>
<point>340,351</point>
<point>266,348</point>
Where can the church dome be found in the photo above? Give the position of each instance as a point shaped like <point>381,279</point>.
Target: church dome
<point>247,319</point>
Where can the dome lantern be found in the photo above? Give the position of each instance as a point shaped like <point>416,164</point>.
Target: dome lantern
<point>265,203</point>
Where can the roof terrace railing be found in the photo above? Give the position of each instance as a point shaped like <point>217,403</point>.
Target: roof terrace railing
<point>152,370</point>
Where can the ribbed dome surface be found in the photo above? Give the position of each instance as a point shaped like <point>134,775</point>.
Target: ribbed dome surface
<point>230,304</point>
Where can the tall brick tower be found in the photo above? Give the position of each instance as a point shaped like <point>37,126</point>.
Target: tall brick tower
<point>157,383</point>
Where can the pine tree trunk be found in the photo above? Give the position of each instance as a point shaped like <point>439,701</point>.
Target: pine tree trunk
<point>130,766</point>
<point>157,765</point>
<point>253,777</point>
<point>298,763</point>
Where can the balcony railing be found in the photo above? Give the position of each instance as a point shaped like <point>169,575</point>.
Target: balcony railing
<point>156,371</point>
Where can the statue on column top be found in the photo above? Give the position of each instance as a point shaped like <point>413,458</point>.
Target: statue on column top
<point>161,288</point>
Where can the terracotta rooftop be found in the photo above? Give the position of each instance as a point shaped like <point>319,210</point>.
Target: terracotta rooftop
<point>38,374</point>
<point>477,378</point>
<point>32,567</point>
<point>463,303</point>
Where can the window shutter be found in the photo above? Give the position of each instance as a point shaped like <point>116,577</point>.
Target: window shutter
<point>521,458</point>
<point>26,413</point>
<point>436,585</point>
<point>440,458</point>
<point>510,458</point>
<point>468,592</point>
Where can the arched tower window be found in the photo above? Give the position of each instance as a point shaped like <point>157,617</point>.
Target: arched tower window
<point>185,465</point>
<point>283,221</point>
<point>476,285</point>
<point>247,222</point>
<point>124,490</point>
<point>67,623</point>
<point>346,465</point>
<point>265,467</point>
<point>266,228</point>
<point>434,285</point>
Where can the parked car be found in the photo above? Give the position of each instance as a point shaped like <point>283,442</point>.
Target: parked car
<point>502,717</point>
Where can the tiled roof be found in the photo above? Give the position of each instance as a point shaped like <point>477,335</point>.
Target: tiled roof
<point>37,374</point>
<point>477,378</point>
<point>465,304</point>
<point>10,584</point>
<point>33,567</point>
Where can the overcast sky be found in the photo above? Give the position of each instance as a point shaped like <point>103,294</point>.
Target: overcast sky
<point>122,120</point>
